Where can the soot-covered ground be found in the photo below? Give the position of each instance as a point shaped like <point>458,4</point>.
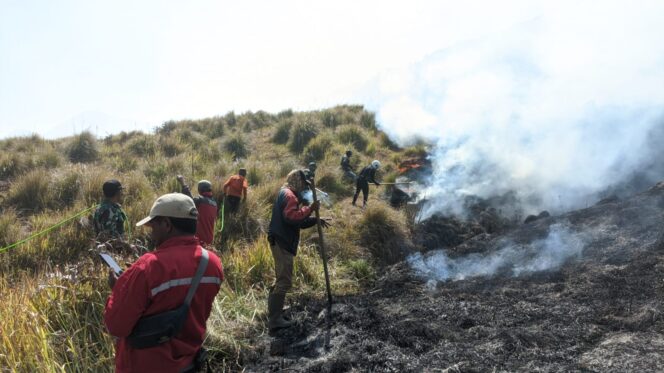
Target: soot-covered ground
<point>600,312</point>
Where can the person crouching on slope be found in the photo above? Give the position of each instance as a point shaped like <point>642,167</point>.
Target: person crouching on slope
<point>288,217</point>
<point>207,209</point>
<point>158,282</point>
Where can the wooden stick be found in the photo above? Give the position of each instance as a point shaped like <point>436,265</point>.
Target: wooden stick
<point>405,182</point>
<point>322,251</point>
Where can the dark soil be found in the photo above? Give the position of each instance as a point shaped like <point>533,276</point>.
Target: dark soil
<point>600,313</point>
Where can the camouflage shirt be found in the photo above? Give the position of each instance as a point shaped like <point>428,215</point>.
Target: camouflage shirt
<point>109,220</point>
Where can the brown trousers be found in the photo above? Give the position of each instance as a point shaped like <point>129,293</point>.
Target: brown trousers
<point>283,270</point>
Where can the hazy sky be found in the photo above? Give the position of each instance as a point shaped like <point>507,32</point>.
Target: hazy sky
<point>118,65</point>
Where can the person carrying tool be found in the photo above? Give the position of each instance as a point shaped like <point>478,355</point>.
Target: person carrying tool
<point>288,217</point>
<point>235,188</point>
<point>310,172</point>
<point>346,166</point>
<point>367,175</point>
<point>158,282</point>
<point>109,218</point>
<point>207,209</point>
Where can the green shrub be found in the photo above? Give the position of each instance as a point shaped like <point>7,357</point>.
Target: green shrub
<point>332,182</point>
<point>285,167</point>
<point>138,191</point>
<point>190,139</point>
<point>157,173</point>
<point>143,146</point>
<point>362,270</point>
<point>371,149</point>
<point>254,175</point>
<point>282,132</point>
<point>237,146</point>
<point>317,148</point>
<point>167,127</point>
<point>300,134</point>
<point>83,148</point>
<point>13,164</point>
<point>285,114</point>
<point>261,119</point>
<point>67,187</point>
<point>29,143</point>
<point>170,147</point>
<point>123,163</point>
<point>222,170</point>
<point>92,180</point>
<point>10,229</point>
<point>368,121</point>
<point>266,193</point>
<point>213,127</point>
<point>248,265</point>
<point>31,191</point>
<point>49,158</point>
<point>230,119</point>
<point>349,134</point>
<point>330,119</point>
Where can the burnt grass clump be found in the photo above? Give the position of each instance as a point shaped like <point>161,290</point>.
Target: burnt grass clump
<point>601,312</point>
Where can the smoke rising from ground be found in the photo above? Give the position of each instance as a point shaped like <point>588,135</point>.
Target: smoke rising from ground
<point>559,111</point>
<point>560,245</point>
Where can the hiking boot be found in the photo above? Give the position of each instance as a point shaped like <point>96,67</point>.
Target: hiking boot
<point>279,323</point>
<point>275,305</point>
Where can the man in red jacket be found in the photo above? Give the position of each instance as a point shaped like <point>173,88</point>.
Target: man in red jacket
<point>157,282</point>
<point>207,209</point>
<point>288,217</point>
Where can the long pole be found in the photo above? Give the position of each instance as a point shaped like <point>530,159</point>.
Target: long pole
<point>405,182</point>
<point>322,251</point>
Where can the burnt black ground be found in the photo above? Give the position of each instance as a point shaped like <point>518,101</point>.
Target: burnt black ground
<point>600,313</point>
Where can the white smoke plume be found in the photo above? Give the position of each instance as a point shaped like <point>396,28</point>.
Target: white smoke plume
<point>556,110</point>
<point>560,245</point>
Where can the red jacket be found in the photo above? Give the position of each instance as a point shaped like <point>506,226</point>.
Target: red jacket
<point>287,220</point>
<point>147,288</point>
<point>207,215</point>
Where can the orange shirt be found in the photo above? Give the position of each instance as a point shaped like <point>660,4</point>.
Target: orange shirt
<point>236,186</point>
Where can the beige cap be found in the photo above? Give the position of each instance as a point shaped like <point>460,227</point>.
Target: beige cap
<point>172,205</point>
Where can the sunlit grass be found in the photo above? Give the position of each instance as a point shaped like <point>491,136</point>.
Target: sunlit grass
<point>53,289</point>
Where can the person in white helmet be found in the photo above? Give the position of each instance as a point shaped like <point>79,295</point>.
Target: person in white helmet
<point>366,176</point>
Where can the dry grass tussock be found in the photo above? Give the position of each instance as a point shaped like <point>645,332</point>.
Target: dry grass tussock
<point>53,288</point>
<point>384,232</point>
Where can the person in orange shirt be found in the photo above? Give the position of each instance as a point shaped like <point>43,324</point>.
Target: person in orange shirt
<point>235,188</point>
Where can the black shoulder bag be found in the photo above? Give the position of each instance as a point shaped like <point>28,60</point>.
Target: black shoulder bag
<point>154,330</point>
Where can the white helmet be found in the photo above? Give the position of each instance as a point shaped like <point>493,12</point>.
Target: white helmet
<point>375,164</point>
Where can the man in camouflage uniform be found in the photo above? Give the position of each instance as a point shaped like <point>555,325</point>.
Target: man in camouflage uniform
<point>109,219</point>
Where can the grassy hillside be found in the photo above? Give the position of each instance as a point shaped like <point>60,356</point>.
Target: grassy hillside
<point>53,289</point>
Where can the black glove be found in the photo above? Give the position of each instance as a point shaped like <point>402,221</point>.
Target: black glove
<point>324,223</point>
